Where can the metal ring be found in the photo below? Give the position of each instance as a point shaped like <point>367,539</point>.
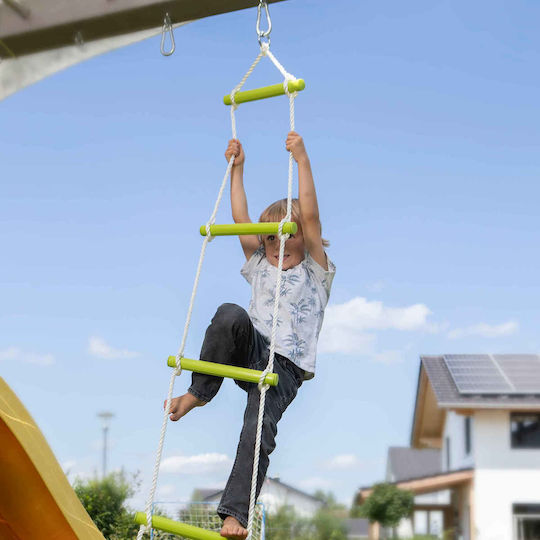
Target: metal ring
<point>167,27</point>
<point>266,33</point>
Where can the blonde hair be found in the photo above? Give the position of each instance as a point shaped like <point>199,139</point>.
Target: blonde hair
<point>278,210</point>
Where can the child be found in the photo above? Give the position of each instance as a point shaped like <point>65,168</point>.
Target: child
<point>242,338</point>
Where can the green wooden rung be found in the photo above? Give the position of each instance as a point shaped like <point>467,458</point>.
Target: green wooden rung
<point>289,227</point>
<point>265,92</point>
<point>223,370</point>
<point>175,527</point>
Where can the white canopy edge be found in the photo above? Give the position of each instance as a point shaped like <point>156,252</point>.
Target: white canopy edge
<point>18,73</point>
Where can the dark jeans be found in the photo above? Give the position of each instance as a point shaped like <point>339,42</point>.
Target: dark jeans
<point>232,339</point>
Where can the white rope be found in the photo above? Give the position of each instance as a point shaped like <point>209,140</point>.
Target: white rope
<point>177,371</point>
<point>237,88</point>
<point>265,51</point>
<point>263,388</point>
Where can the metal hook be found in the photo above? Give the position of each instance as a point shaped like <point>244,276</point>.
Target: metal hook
<point>78,39</point>
<point>263,33</point>
<point>167,27</point>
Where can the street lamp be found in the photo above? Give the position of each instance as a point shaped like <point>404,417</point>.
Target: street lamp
<point>105,422</point>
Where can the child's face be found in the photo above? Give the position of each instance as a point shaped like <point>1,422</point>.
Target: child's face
<point>294,249</point>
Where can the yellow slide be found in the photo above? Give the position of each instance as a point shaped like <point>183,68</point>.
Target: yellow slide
<point>36,499</point>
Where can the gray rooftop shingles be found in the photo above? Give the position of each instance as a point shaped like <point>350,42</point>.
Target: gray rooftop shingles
<point>405,462</point>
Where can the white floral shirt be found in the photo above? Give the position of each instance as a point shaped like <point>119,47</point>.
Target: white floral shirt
<point>305,289</point>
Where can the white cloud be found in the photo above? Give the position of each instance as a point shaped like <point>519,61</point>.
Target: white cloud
<point>485,330</point>
<point>343,461</point>
<point>199,464</point>
<point>99,348</point>
<point>16,354</point>
<point>348,327</point>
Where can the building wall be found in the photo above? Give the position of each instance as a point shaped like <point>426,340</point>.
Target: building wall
<point>275,495</point>
<point>503,476</point>
<point>454,431</point>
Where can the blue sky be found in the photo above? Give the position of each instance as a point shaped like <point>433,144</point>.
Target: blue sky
<point>421,120</point>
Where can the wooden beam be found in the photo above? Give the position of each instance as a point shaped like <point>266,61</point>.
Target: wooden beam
<point>55,23</point>
<point>463,412</point>
<point>431,442</point>
<point>18,7</point>
<point>429,484</point>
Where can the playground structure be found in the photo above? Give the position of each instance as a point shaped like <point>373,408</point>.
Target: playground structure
<point>41,37</point>
<point>36,499</point>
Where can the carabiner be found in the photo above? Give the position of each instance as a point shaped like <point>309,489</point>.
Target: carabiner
<point>167,27</point>
<point>264,33</point>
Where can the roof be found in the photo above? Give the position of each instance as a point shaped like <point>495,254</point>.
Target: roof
<point>424,484</point>
<point>209,494</point>
<point>404,462</point>
<point>295,490</point>
<point>437,392</point>
<point>448,395</point>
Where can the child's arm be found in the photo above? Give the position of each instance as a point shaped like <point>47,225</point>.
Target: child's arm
<point>239,206</point>
<point>307,197</point>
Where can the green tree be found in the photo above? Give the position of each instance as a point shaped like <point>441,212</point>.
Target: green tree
<point>328,522</point>
<point>104,500</point>
<point>387,505</point>
<point>286,525</point>
<point>328,526</point>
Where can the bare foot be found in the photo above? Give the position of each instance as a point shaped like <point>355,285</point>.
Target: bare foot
<point>232,529</point>
<point>181,405</point>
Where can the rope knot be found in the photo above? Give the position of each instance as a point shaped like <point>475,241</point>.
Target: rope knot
<point>285,236</point>
<point>178,368</point>
<point>234,105</point>
<point>265,47</point>
<point>262,386</point>
<point>208,234</point>
<point>289,77</point>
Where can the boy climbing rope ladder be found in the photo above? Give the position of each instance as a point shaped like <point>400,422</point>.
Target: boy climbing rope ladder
<point>240,338</point>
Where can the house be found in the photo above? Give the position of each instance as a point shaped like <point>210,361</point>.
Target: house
<point>404,463</point>
<point>483,413</point>
<point>275,494</point>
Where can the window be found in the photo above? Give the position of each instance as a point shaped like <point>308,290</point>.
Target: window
<point>467,435</point>
<point>447,444</point>
<point>525,430</point>
<point>526,521</point>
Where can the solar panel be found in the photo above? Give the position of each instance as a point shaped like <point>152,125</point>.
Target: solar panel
<point>495,374</point>
<point>523,371</point>
<point>476,374</point>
